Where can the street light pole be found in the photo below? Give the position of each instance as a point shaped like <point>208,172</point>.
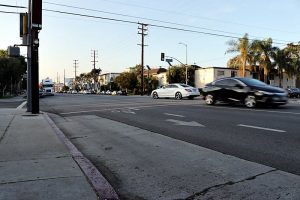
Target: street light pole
<point>186,77</point>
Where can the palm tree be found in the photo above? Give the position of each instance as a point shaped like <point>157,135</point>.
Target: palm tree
<point>293,54</point>
<point>264,50</point>
<point>281,61</point>
<point>243,46</point>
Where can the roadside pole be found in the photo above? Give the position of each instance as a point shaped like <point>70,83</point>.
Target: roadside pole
<point>29,94</point>
<point>35,25</point>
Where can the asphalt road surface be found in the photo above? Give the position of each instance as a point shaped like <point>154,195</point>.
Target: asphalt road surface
<point>264,135</point>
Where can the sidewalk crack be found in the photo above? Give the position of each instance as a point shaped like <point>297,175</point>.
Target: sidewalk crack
<point>206,190</point>
<point>5,131</point>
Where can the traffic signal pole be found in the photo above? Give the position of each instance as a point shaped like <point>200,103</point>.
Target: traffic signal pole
<point>34,25</point>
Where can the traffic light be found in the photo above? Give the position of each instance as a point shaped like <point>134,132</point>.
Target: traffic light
<point>162,56</point>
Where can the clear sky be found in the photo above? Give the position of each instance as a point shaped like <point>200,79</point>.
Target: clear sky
<point>67,37</point>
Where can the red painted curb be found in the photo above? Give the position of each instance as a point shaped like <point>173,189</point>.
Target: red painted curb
<point>101,186</point>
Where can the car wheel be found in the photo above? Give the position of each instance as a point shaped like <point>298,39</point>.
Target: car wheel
<point>155,95</point>
<point>250,101</point>
<point>209,99</point>
<point>178,95</point>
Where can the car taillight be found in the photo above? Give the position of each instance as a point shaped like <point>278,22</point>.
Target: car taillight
<point>188,90</point>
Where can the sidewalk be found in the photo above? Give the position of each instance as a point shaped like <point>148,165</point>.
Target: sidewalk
<point>35,164</point>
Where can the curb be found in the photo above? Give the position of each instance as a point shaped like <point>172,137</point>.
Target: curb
<point>101,186</point>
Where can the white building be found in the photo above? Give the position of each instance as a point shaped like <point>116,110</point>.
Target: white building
<point>107,78</point>
<point>286,82</point>
<point>209,74</point>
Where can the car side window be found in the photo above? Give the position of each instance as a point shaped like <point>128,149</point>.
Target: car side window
<point>231,82</point>
<point>221,82</point>
<point>174,86</point>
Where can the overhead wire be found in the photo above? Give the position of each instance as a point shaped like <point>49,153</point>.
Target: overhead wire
<point>155,20</point>
<point>153,25</point>
<point>133,22</point>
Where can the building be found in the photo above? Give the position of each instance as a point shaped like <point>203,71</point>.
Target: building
<point>209,74</point>
<point>159,73</point>
<point>105,79</point>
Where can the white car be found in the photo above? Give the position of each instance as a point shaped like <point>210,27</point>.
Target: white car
<point>175,90</point>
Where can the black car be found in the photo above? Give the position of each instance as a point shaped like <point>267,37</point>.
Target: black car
<point>243,90</point>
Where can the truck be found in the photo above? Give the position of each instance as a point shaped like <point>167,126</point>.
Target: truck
<point>47,85</point>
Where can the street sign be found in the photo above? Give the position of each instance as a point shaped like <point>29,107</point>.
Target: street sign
<point>169,60</point>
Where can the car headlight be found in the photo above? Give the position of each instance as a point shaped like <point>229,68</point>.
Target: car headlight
<point>260,93</point>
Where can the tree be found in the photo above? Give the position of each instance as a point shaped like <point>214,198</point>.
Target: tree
<point>281,61</point>
<point>11,72</point>
<point>127,81</point>
<point>293,54</point>
<point>243,47</point>
<point>264,51</point>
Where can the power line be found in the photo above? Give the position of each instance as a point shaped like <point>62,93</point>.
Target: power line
<point>153,25</point>
<point>12,6</point>
<point>155,20</point>
<point>8,12</point>
<point>201,17</point>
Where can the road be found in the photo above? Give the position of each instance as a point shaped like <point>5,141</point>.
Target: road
<point>266,136</point>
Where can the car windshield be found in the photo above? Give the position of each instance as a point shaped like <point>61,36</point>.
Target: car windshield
<point>253,82</point>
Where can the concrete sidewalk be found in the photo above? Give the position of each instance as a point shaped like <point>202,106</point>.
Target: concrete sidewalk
<point>35,164</point>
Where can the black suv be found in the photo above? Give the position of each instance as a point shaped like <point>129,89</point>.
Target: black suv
<point>243,90</point>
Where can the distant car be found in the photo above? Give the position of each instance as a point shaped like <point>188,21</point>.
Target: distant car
<point>122,92</point>
<point>176,90</point>
<point>108,92</point>
<point>293,92</point>
<point>243,90</point>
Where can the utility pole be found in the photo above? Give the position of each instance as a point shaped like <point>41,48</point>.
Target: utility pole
<point>186,71</point>
<point>142,29</point>
<point>94,54</point>
<point>75,66</point>
<point>64,77</point>
<point>34,26</point>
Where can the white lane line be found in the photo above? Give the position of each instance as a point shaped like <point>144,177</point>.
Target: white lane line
<point>245,109</point>
<point>21,106</point>
<point>183,123</point>
<point>262,128</point>
<point>170,114</point>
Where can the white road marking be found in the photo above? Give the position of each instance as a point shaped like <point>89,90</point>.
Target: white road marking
<point>170,114</point>
<point>184,123</point>
<point>245,109</point>
<point>262,128</point>
<point>104,109</point>
<point>128,111</point>
<point>21,106</point>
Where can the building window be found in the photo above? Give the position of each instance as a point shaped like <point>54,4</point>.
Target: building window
<point>220,73</point>
<point>233,73</point>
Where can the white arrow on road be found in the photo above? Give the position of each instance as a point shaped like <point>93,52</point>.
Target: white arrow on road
<point>183,123</point>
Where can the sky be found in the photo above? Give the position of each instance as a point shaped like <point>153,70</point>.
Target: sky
<point>204,27</point>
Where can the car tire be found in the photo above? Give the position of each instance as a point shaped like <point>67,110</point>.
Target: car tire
<point>178,96</point>
<point>210,99</point>
<point>155,95</point>
<point>250,101</point>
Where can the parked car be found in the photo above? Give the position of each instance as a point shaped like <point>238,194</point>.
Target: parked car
<point>122,92</point>
<point>293,92</point>
<point>176,90</point>
<point>243,90</point>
